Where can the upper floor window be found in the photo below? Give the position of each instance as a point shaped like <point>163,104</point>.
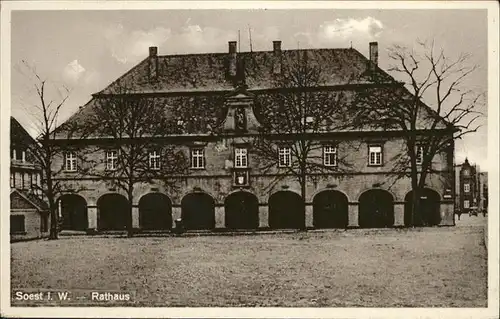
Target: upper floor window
<point>70,161</point>
<point>197,158</point>
<point>284,156</point>
<point>330,155</point>
<point>241,157</point>
<point>18,155</point>
<point>466,172</point>
<point>12,180</point>
<point>375,155</point>
<point>154,160</point>
<point>466,187</point>
<point>419,154</point>
<point>111,160</point>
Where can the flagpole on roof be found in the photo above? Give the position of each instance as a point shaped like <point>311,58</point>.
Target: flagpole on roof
<point>250,37</point>
<point>239,41</point>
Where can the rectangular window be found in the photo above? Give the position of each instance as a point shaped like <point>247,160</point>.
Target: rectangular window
<point>26,181</point>
<point>197,158</point>
<point>240,157</point>
<point>466,188</point>
<point>284,156</point>
<point>466,203</point>
<point>154,160</point>
<point>111,160</point>
<point>18,155</point>
<point>375,155</point>
<point>12,180</point>
<point>330,155</point>
<point>18,179</point>
<point>420,154</point>
<point>70,161</point>
<point>17,224</point>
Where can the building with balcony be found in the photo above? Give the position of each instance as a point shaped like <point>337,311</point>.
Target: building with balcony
<point>219,102</point>
<point>28,212</point>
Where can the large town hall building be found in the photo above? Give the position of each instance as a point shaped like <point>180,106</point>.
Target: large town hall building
<point>217,97</point>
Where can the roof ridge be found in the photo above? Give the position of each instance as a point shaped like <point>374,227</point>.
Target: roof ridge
<point>249,52</point>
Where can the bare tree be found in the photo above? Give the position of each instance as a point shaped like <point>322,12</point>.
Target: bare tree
<point>297,115</point>
<point>428,129</point>
<point>44,112</point>
<point>132,129</point>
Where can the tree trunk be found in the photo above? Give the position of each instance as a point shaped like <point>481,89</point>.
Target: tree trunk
<point>54,229</point>
<point>54,216</point>
<point>415,198</point>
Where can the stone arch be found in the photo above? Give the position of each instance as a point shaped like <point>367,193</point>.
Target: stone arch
<point>286,210</point>
<point>113,212</point>
<point>330,209</point>
<point>329,189</point>
<point>376,209</point>
<point>365,189</point>
<point>73,212</point>
<point>155,212</point>
<point>430,209</point>
<point>198,211</point>
<point>241,209</point>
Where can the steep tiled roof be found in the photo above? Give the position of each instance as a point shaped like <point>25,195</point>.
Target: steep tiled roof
<point>29,198</point>
<point>208,75</point>
<point>208,72</point>
<point>18,134</point>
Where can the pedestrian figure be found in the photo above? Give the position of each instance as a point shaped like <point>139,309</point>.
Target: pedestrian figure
<point>458,213</point>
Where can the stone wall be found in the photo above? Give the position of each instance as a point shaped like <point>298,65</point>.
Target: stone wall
<point>216,181</point>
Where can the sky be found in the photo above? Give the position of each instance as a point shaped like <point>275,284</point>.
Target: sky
<point>85,51</point>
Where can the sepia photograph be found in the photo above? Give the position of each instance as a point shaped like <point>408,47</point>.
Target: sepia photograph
<point>253,159</point>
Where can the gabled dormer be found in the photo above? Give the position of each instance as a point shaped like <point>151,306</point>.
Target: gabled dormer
<point>240,117</point>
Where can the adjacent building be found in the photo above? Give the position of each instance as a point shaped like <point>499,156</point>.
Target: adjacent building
<point>483,190</point>
<point>219,101</point>
<point>471,187</point>
<point>28,212</point>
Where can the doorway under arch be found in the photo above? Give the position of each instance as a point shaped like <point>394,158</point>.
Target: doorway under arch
<point>155,212</point>
<point>241,211</point>
<point>73,212</point>
<point>286,210</point>
<point>376,209</point>
<point>429,209</point>
<point>198,211</point>
<point>113,212</point>
<point>330,209</point>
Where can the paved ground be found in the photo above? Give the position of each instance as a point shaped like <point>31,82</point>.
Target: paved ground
<point>466,220</point>
<point>432,267</point>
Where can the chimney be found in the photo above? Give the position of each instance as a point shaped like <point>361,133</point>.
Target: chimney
<point>153,64</point>
<point>276,46</point>
<point>277,57</point>
<point>232,46</point>
<point>374,54</point>
<point>232,59</point>
<point>153,51</point>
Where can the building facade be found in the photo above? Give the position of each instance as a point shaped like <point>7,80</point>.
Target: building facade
<point>28,212</point>
<point>471,188</point>
<point>224,188</point>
